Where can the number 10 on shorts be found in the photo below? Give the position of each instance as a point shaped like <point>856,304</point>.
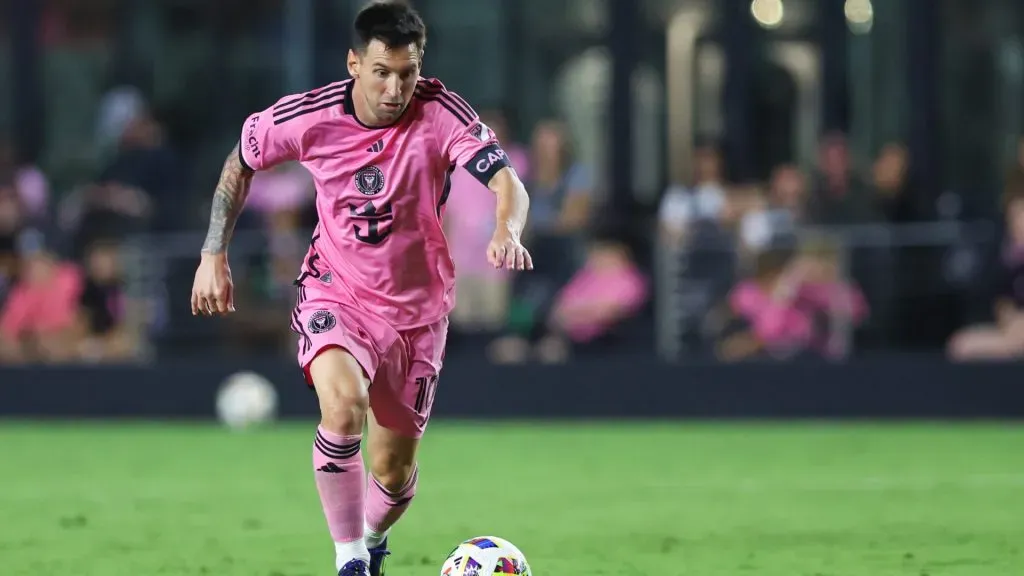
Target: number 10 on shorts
<point>426,386</point>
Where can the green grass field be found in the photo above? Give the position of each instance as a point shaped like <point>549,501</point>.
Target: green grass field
<point>623,499</point>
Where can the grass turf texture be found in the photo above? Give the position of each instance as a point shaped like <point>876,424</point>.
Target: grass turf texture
<point>579,499</point>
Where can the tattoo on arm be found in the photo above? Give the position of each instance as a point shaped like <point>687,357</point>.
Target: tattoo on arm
<point>228,200</point>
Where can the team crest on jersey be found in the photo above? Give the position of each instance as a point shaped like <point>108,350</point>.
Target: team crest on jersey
<point>480,131</point>
<point>321,321</point>
<point>369,180</point>
<point>327,278</point>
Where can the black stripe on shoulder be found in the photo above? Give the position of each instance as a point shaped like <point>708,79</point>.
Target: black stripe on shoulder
<point>312,94</point>
<point>337,101</point>
<point>331,95</point>
<point>451,97</point>
<point>459,115</point>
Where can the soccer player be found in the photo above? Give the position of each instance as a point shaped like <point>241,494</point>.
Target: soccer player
<point>376,286</point>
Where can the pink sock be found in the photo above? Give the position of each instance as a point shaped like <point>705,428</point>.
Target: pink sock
<point>384,508</point>
<point>340,479</point>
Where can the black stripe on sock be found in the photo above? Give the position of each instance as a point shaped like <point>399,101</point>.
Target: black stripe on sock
<point>330,448</point>
<point>335,445</point>
<point>401,492</point>
<point>334,453</point>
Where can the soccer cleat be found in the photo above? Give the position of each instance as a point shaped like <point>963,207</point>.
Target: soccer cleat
<point>377,556</point>
<point>354,568</point>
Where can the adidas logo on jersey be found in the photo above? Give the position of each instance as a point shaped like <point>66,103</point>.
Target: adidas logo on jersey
<point>377,146</point>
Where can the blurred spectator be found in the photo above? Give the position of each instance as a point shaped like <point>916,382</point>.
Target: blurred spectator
<point>764,319</point>
<point>11,224</point>
<point>561,194</point>
<point>835,305</point>
<point>27,181</point>
<point>280,197</point>
<point>742,203</point>
<point>118,108</point>
<point>892,188</point>
<point>704,200</point>
<point>482,292</point>
<point>605,293</point>
<point>146,162</point>
<point>840,195</point>
<point>38,322</point>
<point>785,209</point>
<point>141,187</point>
<point>793,305</point>
<point>288,187</point>
<point>1004,339</point>
<point>106,335</point>
<point>97,211</point>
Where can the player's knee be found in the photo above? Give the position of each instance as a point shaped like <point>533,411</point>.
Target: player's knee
<point>344,410</point>
<point>342,389</point>
<point>391,471</point>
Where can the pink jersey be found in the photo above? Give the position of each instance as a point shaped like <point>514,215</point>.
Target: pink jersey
<point>381,192</point>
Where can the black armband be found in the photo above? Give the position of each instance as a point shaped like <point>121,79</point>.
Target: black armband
<point>241,157</point>
<point>487,162</point>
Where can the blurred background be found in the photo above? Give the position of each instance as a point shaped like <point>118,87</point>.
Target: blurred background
<point>712,181</point>
<point>740,209</point>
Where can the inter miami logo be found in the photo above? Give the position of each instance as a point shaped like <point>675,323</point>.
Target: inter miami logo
<point>321,321</point>
<point>369,180</point>
<point>480,131</point>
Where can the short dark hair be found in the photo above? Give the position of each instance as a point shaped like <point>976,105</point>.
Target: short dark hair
<point>393,22</point>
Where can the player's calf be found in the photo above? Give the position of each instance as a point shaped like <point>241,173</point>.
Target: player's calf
<point>392,481</point>
<point>385,505</point>
<point>341,387</point>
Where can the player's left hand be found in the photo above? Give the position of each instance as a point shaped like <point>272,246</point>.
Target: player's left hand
<point>505,250</point>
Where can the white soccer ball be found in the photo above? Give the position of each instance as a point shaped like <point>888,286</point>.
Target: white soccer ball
<point>485,555</point>
<point>246,399</point>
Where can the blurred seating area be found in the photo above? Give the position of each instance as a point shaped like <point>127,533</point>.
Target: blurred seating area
<point>798,203</point>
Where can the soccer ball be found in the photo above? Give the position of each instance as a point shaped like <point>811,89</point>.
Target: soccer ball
<point>246,399</point>
<point>484,556</point>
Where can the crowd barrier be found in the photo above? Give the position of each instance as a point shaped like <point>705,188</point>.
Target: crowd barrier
<point>615,387</point>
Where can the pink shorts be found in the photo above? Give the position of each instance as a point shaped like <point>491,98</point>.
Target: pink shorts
<point>402,366</point>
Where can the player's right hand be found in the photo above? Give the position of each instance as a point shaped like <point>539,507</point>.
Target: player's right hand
<point>213,293</point>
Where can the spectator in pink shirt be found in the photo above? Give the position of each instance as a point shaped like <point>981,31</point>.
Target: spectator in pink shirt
<point>766,319</point>
<point>607,290</point>
<point>792,306</point>
<point>39,320</point>
<point>587,313</point>
<point>835,305</point>
<point>482,293</point>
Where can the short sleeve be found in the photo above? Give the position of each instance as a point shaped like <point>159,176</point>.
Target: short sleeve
<point>270,138</point>
<point>464,139</point>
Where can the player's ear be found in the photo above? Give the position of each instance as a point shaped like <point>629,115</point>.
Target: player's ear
<point>353,63</point>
